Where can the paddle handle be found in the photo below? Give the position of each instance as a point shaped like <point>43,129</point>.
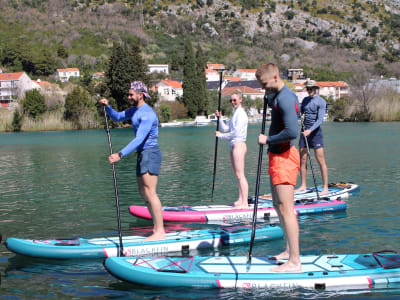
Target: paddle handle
<point>260,154</point>
<point>121,248</point>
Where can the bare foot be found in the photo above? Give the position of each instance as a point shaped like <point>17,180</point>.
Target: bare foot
<point>241,206</point>
<point>324,192</point>
<point>155,237</point>
<point>287,267</point>
<point>283,255</point>
<point>300,189</point>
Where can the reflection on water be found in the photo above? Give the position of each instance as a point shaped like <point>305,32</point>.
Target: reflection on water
<point>59,185</point>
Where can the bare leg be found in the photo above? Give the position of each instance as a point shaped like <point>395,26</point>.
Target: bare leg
<point>285,205</point>
<point>303,170</point>
<point>147,188</point>
<point>238,162</point>
<point>275,201</point>
<point>319,154</point>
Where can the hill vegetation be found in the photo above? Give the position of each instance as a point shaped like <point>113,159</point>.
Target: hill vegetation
<point>320,36</point>
<point>330,40</point>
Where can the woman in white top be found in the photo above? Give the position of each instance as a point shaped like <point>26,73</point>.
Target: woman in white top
<point>236,133</point>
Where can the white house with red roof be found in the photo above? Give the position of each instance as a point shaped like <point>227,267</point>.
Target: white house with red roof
<point>13,87</point>
<point>65,74</point>
<point>244,90</point>
<point>329,89</point>
<point>246,74</point>
<point>212,73</point>
<point>168,90</point>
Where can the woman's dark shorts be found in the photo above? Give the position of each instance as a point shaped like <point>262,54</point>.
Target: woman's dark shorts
<point>315,139</point>
<point>149,160</point>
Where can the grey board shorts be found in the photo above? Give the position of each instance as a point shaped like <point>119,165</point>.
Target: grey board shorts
<point>149,160</point>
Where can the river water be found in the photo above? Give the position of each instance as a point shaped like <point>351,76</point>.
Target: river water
<point>59,185</point>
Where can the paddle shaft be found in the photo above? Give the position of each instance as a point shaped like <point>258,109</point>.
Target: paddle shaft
<point>260,154</point>
<point>310,160</point>
<point>121,248</point>
<point>216,138</point>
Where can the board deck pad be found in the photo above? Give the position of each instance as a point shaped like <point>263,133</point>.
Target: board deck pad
<point>135,245</point>
<point>341,271</point>
<point>265,209</point>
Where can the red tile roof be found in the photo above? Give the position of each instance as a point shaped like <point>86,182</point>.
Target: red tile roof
<point>68,70</point>
<point>243,89</point>
<point>173,83</point>
<point>248,70</point>
<point>10,76</point>
<point>233,78</point>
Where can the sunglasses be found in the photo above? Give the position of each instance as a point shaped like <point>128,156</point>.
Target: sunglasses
<point>233,100</point>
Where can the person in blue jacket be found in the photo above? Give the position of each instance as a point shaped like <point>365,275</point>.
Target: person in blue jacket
<point>145,126</point>
<point>313,108</point>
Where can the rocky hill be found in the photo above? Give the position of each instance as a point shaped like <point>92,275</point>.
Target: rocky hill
<point>329,39</point>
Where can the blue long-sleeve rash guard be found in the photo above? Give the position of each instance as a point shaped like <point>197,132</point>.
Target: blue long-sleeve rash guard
<point>284,120</point>
<point>144,123</point>
<point>313,109</point>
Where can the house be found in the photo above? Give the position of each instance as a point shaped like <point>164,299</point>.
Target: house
<point>333,89</point>
<point>158,69</point>
<point>48,88</point>
<point>13,86</point>
<point>212,75</point>
<point>215,67</point>
<point>246,74</point>
<point>329,89</point>
<point>244,90</point>
<point>168,90</point>
<point>98,75</point>
<point>65,74</point>
<point>294,75</point>
<point>255,84</point>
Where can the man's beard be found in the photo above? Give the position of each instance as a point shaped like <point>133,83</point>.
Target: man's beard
<point>271,90</point>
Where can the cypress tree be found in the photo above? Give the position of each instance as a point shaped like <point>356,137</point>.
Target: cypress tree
<point>189,80</point>
<point>201,81</point>
<point>125,65</point>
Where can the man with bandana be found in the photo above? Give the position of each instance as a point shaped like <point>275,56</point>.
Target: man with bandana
<point>145,126</point>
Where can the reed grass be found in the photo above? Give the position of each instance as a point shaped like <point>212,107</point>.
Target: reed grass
<point>387,107</point>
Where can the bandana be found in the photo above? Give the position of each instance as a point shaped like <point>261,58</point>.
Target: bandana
<point>140,87</point>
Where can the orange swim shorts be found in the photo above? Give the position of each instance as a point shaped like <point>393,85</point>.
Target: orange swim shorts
<point>284,167</point>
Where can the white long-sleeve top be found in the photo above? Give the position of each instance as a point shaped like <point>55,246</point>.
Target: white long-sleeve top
<point>236,130</point>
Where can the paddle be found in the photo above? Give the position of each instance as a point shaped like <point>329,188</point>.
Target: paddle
<point>216,138</point>
<point>260,154</point>
<point>121,248</point>
<point>310,160</point>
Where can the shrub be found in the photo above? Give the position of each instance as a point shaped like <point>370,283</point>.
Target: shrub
<point>34,104</point>
<point>16,123</point>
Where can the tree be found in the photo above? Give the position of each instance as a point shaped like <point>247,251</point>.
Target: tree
<point>125,65</point>
<point>363,92</point>
<point>34,104</point>
<point>77,104</point>
<point>16,123</point>
<point>189,80</point>
<point>165,113</point>
<point>201,81</point>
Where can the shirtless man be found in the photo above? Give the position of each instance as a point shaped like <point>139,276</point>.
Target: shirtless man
<point>284,160</point>
<point>145,126</point>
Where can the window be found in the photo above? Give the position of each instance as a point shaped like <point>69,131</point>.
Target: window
<point>173,92</point>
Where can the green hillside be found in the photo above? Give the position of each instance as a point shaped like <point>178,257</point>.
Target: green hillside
<point>329,39</point>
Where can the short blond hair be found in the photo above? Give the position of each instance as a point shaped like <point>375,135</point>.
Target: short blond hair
<point>267,68</point>
<point>238,93</point>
